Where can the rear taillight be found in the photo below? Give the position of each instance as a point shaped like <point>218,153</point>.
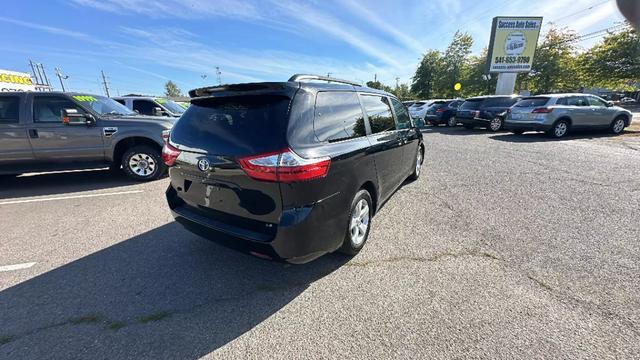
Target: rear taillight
<point>441,110</point>
<point>284,166</point>
<point>542,110</point>
<point>165,135</point>
<point>169,154</point>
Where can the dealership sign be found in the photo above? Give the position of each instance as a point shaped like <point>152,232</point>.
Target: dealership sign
<point>513,44</point>
<point>15,81</point>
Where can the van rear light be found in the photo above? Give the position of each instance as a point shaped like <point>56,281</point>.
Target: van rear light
<point>441,110</point>
<point>284,166</point>
<point>542,110</point>
<point>169,154</point>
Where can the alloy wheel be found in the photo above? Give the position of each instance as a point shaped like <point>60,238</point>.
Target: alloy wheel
<point>142,164</point>
<point>618,126</point>
<point>560,129</point>
<point>495,124</point>
<point>359,223</point>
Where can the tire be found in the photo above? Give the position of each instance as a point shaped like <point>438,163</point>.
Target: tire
<point>495,124</point>
<point>518,132</point>
<point>143,163</point>
<point>560,129</point>
<point>468,126</point>
<point>354,243</point>
<point>417,165</point>
<point>618,125</point>
<point>451,122</point>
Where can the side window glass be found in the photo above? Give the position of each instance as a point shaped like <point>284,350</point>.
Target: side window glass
<point>338,116</point>
<point>403,121</point>
<point>121,101</point>
<point>48,109</point>
<point>9,106</point>
<point>593,101</point>
<point>379,113</point>
<point>561,101</point>
<point>144,107</point>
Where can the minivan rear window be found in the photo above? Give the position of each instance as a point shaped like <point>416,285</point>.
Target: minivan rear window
<point>532,102</point>
<point>234,126</point>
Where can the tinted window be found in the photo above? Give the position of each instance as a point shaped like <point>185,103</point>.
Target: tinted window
<point>121,101</point>
<point>573,101</point>
<point>144,107</point>
<point>338,116</point>
<point>403,121</point>
<point>48,109</point>
<point>594,101</point>
<point>379,113</point>
<point>532,102</point>
<point>9,106</point>
<point>237,126</point>
<point>499,102</point>
<point>472,104</point>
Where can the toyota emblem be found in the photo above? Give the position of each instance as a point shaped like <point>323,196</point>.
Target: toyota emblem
<point>204,165</point>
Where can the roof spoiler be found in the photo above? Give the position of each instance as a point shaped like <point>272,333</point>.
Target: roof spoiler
<point>306,77</point>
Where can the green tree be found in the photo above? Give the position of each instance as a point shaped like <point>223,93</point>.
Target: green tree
<point>428,70</point>
<point>378,85</point>
<point>455,59</point>
<point>171,89</point>
<point>474,77</point>
<point>403,92</point>
<point>554,66</point>
<point>613,63</point>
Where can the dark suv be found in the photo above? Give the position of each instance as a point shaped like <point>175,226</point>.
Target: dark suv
<point>289,170</point>
<point>485,111</point>
<point>443,112</point>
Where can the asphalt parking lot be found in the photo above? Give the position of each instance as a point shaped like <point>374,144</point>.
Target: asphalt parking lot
<point>507,247</point>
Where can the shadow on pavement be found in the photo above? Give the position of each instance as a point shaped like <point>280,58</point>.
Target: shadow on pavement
<point>162,294</point>
<point>61,183</point>
<point>530,137</point>
<point>456,130</point>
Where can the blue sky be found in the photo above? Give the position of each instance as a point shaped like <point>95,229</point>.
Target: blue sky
<point>140,44</point>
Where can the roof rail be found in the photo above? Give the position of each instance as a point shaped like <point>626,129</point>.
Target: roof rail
<point>302,77</point>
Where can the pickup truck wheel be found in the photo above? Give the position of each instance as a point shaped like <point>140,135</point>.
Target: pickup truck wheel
<point>143,163</point>
<point>359,223</point>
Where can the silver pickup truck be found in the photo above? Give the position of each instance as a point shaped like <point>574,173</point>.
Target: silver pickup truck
<point>50,131</point>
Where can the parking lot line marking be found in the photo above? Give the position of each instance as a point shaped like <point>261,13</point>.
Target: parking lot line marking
<point>69,197</point>
<point>16,267</point>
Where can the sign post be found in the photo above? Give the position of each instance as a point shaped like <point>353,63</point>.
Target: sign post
<point>511,49</point>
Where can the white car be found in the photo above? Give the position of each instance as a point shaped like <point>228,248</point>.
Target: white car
<point>627,100</point>
<point>419,109</point>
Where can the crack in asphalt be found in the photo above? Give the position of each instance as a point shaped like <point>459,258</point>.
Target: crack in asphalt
<point>437,257</point>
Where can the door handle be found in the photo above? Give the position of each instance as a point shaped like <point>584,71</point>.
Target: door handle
<point>33,133</point>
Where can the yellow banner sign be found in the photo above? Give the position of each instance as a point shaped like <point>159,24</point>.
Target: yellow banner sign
<point>15,81</point>
<point>513,44</point>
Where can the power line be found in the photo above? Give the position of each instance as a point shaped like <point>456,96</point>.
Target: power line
<point>580,11</point>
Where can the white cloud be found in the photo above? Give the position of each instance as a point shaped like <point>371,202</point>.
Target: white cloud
<point>186,9</point>
<point>45,28</point>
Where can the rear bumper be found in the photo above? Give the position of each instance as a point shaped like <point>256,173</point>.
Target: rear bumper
<point>434,119</point>
<point>526,126</point>
<point>302,234</point>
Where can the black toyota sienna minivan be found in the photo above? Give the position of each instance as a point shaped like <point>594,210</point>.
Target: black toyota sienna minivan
<point>290,170</point>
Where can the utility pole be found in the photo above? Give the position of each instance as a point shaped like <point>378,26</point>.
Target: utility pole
<point>397,84</point>
<point>375,77</point>
<point>105,83</point>
<point>218,77</point>
<point>61,78</point>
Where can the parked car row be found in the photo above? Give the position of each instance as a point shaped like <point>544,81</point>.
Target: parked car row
<point>555,114</point>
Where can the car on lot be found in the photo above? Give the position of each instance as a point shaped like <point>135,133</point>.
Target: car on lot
<point>408,103</point>
<point>558,114</point>
<point>628,100</point>
<point>47,131</point>
<point>485,111</point>
<point>151,106</point>
<point>443,112</point>
<point>419,109</point>
<point>289,170</point>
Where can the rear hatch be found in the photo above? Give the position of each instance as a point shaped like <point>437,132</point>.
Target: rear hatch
<point>213,135</point>
<point>469,108</point>
<point>523,110</point>
<point>440,104</point>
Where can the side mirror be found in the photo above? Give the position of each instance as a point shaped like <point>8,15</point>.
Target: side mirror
<point>609,103</point>
<point>158,112</point>
<point>73,117</point>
